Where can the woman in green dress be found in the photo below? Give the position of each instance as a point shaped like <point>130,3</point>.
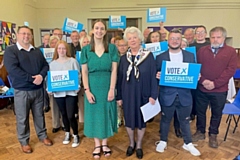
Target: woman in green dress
<point>99,71</point>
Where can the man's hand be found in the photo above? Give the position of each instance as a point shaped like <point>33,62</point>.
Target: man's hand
<point>37,79</point>
<point>209,85</point>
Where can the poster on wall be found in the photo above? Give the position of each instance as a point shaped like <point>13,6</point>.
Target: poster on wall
<point>7,35</point>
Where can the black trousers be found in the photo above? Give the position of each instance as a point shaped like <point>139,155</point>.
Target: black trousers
<point>67,106</point>
<point>217,101</point>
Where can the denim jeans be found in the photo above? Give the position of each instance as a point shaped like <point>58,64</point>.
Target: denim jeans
<point>217,102</point>
<point>183,114</point>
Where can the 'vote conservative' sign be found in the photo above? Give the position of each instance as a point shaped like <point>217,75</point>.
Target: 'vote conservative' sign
<point>70,25</point>
<point>62,80</point>
<point>48,53</point>
<point>156,48</point>
<point>182,75</point>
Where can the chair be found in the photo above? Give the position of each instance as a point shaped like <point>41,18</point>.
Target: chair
<point>236,77</point>
<point>232,109</point>
<point>8,96</point>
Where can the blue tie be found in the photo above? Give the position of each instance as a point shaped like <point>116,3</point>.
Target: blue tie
<point>215,50</point>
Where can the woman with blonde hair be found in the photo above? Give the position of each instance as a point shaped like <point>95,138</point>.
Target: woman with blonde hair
<point>84,40</point>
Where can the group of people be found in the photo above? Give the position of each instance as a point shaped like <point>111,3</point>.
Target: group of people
<point>126,75</point>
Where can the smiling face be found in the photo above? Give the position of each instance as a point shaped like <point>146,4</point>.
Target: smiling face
<point>183,44</point>
<point>99,30</point>
<point>200,34</point>
<point>174,41</point>
<point>155,37</point>
<point>189,35</point>
<point>85,42</point>
<point>61,50</point>
<point>53,43</point>
<point>122,46</point>
<point>75,37</point>
<point>24,36</point>
<point>133,40</point>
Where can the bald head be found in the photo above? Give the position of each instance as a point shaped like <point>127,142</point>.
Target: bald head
<point>189,35</point>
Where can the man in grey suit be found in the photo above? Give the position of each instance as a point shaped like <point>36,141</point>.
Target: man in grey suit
<point>173,98</point>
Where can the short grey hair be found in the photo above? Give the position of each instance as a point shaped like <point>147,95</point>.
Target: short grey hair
<point>133,30</point>
<point>82,38</point>
<point>219,29</point>
<point>189,29</point>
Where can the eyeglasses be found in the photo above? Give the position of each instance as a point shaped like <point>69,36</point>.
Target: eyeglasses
<point>174,38</point>
<point>122,45</point>
<point>55,34</point>
<point>202,32</point>
<point>29,34</point>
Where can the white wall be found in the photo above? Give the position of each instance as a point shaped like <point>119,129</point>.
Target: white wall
<point>51,13</point>
<point>19,11</point>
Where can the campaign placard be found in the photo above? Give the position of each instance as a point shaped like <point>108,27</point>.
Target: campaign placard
<point>78,57</point>
<point>192,50</point>
<point>70,25</point>
<point>48,53</point>
<point>156,48</point>
<point>116,22</point>
<point>156,14</point>
<point>182,75</point>
<point>62,80</point>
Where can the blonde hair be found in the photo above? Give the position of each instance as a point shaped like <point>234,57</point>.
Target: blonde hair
<point>82,39</point>
<point>52,38</point>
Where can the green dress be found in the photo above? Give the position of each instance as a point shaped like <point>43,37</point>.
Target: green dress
<point>100,118</point>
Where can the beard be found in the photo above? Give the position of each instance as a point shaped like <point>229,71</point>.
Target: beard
<point>215,45</point>
<point>174,48</point>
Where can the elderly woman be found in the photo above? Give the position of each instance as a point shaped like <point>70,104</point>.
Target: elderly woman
<point>136,86</point>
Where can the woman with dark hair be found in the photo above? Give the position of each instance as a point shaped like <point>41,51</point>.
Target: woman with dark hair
<point>153,37</point>
<point>99,72</point>
<point>66,100</point>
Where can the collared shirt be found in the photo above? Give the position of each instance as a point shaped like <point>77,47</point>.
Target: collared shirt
<point>20,47</point>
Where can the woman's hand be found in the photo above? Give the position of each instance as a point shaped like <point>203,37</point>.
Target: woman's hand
<point>119,102</point>
<point>151,100</point>
<point>158,75</point>
<point>110,94</point>
<point>90,97</point>
<point>76,91</point>
<point>50,93</point>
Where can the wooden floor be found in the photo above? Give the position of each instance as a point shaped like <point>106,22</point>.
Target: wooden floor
<point>10,148</point>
